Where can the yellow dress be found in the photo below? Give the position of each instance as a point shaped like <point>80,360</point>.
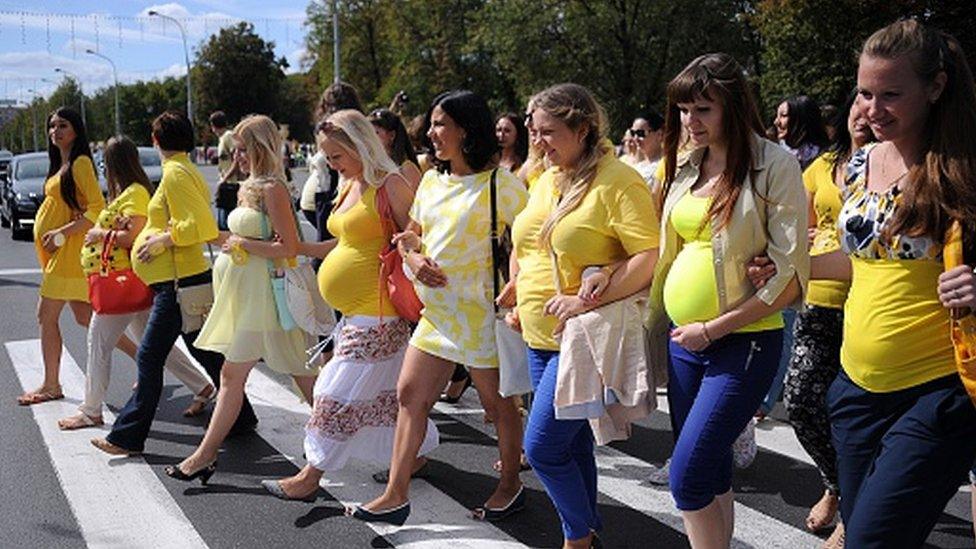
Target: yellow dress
<point>243,323</point>
<point>132,201</point>
<point>63,276</point>
<point>454,214</point>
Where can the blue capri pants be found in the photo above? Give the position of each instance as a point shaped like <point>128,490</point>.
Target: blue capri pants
<point>712,395</point>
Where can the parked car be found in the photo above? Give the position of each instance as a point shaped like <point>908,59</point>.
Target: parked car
<point>151,164</point>
<point>5,158</point>
<point>22,192</point>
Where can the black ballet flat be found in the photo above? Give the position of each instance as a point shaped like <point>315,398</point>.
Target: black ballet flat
<point>395,516</point>
<point>455,400</point>
<point>204,474</point>
<point>489,514</point>
<point>275,489</point>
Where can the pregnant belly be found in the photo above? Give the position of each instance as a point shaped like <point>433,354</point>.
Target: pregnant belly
<point>690,293</point>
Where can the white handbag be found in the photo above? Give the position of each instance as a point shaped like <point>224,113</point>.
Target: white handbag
<point>311,313</point>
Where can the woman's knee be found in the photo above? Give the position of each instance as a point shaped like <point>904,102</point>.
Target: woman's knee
<point>233,377</point>
<point>414,396</point>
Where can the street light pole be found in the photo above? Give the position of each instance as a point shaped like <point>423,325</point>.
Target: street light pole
<point>186,56</point>
<point>335,41</point>
<point>115,76</point>
<point>33,115</point>
<point>81,91</point>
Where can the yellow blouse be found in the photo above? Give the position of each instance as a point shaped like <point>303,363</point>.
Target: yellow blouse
<point>818,179</point>
<point>349,275</point>
<point>180,204</point>
<point>615,220</point>
<point>132,201</point>
<point>63,276</point>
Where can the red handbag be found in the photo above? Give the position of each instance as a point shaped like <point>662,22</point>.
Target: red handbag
<point>402,294</point>
<point>116,292</point>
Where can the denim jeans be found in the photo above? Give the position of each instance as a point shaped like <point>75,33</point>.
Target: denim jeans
<point>132,425</point>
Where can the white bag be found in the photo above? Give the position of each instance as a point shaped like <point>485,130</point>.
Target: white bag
<point>513,361</point>
<point>310,311</point>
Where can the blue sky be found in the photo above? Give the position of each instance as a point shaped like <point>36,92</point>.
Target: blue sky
<point>36,37</point>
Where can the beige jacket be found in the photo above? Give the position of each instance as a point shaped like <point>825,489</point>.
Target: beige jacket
<point>605,372</point>
<point>776,226</point>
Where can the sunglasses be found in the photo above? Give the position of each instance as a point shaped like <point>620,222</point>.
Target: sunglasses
<point>637,133</point>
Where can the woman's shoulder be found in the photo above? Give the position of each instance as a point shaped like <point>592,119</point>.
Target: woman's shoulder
<point>615,175</point>
<point>82,162</point>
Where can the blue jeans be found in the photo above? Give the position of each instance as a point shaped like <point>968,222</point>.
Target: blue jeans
<point>776,389</point>
<point>712,395</point>
<point>901,456</point>
<point>561,452</point>
<point>132,425</point>
<point>222,214</point>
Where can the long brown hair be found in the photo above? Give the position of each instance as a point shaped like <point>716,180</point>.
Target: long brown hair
<point>69,189</point>
<point>576,107</point>
<point>122,166</point>
<point>943,186</point>
<point>714,77</point>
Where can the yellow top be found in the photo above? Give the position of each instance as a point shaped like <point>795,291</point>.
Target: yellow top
<point>533,176</point>
<point>818,178</point>
<point>534,283</point>
<point>180,204</point>
<point>63,277</point>
<point>615,220</point>
<point>132,201</point>
<point>349,276</point>
<point>690,289</point>
<point>896,332</point>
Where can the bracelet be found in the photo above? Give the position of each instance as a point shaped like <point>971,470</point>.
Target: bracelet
<point>708,338</point>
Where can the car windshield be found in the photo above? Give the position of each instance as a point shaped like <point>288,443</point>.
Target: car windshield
<point>34,167</point>
<point>149,158</point>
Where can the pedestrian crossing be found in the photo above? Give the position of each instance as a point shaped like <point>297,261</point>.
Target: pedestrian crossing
<point>128,502</point>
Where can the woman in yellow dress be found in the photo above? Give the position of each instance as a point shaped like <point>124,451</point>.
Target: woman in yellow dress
<point>243,324</point>
<point>72,202</point>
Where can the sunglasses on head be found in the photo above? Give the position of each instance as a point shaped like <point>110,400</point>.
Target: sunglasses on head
<point>637,132</point>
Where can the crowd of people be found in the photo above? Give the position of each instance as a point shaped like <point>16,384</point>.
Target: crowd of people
<point>707,254</point>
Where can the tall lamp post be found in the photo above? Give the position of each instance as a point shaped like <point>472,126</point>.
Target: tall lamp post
<point>33,115</point>
<point>80,91</point>
<point>115,76</point>
<point>186,56</point>
<point>335,41</point>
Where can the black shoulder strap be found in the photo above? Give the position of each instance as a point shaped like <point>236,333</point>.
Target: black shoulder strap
<point>495,238</point>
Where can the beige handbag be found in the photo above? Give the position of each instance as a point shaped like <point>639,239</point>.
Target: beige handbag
<point>195,301</point>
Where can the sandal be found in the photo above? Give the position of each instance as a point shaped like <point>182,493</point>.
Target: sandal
<point>39,396</point>
<point>523,465</point>
<point>79,421</point>
<point>490,514</point>
<point>199,404</point>
<point>111,449</point>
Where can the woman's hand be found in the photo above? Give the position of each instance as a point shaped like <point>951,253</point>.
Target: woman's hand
<point>811,236</point>
<point>47,240</point>
<point>593,286</point>
<point>122,223</point>
<point>512,320</point>
<point>691,336</point>
<point>231,241</point>
<point>406,241</point>
<point>507,297</point>
<point>94,235</point>
<point>759,270</point>
<point>565,307</point>
<point>425,270</point>
<point>153,246</point>
<point>957,289</point>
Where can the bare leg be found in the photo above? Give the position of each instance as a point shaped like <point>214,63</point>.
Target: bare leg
<point>48,314</point>
<point>582,543</point>
<point>230,398</point>
<point>508,422</point>
<point>706,526</point>
<point>421,380</point>
<point>305,385</point>
<point>727,502</point>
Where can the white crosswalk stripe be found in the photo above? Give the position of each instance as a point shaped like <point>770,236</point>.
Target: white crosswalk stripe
<point>126,505</point>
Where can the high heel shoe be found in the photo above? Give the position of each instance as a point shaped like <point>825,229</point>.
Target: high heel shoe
<point>490,514</point>
<point>395,516</point>
<point>200,402</point>
<point>204,474</point>
<point>454,400</point>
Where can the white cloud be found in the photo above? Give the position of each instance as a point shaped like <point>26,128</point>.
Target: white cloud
<point>176,70</point>
<point>297,61</point>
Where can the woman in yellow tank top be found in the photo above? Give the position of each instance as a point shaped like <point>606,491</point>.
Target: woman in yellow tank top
<point>354,409</point>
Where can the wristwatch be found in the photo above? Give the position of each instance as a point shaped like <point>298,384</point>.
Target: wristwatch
<point>58,239</point>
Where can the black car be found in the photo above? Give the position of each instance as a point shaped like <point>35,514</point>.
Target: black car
<point>22,191</point>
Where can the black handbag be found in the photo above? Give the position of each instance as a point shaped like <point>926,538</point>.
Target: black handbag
<point>227,195</point>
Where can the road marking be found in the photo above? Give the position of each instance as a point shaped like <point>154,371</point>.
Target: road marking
<point>435,519</point>
<point>119,505</point>
<point>19,272</point>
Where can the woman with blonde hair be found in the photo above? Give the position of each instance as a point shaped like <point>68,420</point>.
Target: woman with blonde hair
<point>588,210</point>
<point>354,411</point>
<point>243,324</point>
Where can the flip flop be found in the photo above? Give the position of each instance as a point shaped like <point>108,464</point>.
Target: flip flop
<point>79,421</point>
<point>38,397</point>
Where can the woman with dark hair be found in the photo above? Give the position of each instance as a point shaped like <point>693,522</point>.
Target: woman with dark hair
<point>446,247</point>
<point>734,196</point>
<point>336,97</point>
<point>395,140</point>
<point>647,131</point>
<point>72,201</point>
<point>800,128</point>
<point>168,255</point>
<point>817,330</point>
<point>513,141</point>
<point>118,224</point>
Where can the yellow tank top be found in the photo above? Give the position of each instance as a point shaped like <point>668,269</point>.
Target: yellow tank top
<point>349,275</point>
<point>690,289</point>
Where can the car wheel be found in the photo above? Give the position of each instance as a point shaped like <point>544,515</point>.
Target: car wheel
<point>4,220</point>
<point>17,230</point>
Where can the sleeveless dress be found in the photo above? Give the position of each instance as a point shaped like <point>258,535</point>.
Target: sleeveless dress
<point>243,323</point>
<point>355,404</point>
